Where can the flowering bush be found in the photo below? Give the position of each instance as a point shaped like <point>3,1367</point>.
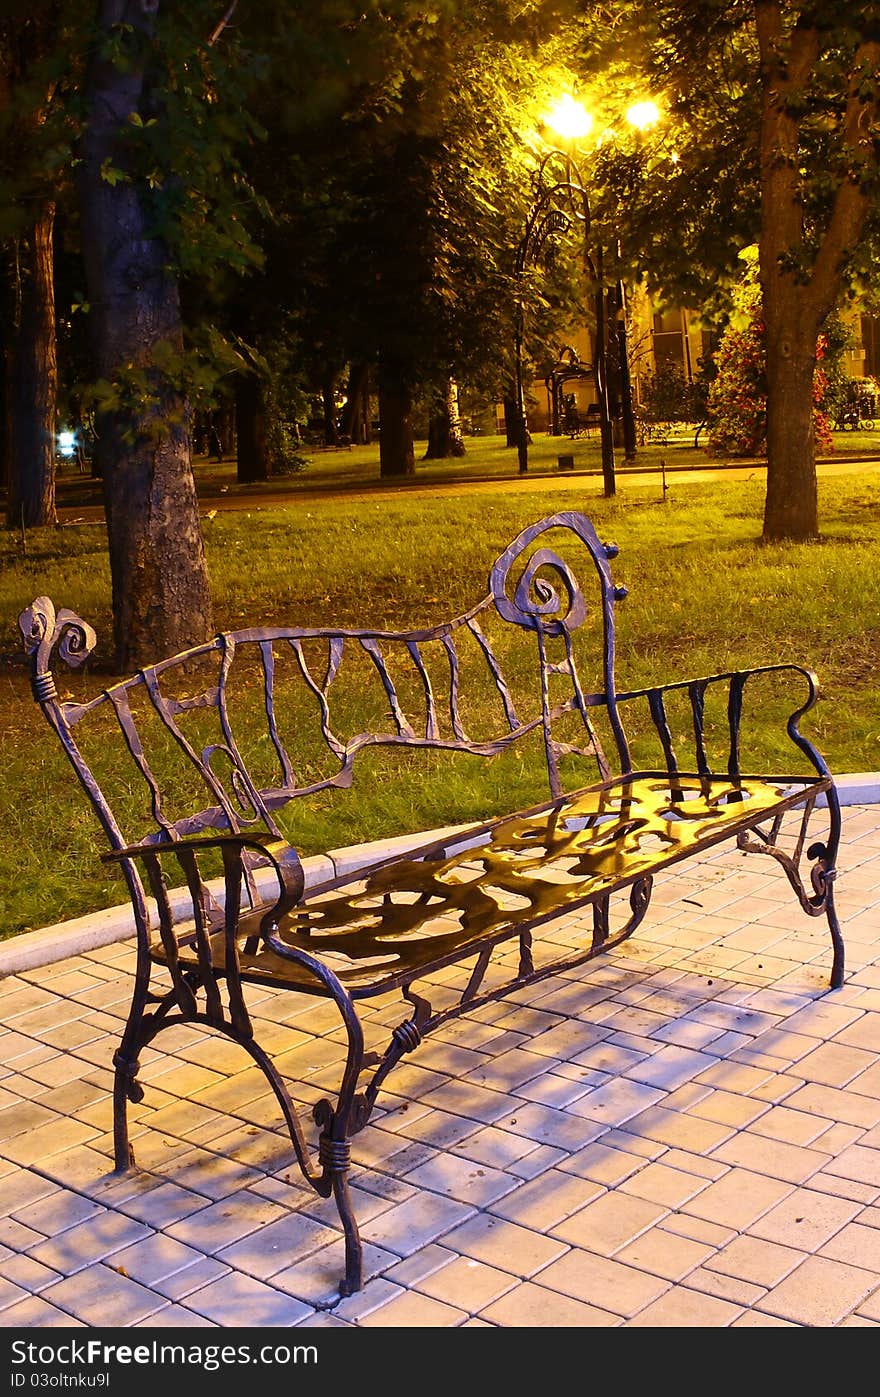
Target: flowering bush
<point>737,401</point>
<point>821,418</point>
<point>737,409</point>
<point>737,424</point>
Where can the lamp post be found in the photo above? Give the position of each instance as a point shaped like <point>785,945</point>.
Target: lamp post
<point>545,218</point>
<point>618,328</point>
<point>640,116</point>
<point>558,182</point>
<point>560,198</point>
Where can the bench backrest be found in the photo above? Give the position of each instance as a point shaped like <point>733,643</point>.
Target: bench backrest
<point>418,676</point>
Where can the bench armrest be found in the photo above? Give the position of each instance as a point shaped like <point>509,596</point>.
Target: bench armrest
<point>735,682</point>
<point>279,855</point>
<point>725,676</point>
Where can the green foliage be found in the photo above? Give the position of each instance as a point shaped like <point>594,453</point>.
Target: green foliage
<point>183,149</point>
<point>686,196</point>
<point>668,396</point>
<point>285,403</point>
<point>41,63</point>
<point>176,377</point>
<point>395,231</point>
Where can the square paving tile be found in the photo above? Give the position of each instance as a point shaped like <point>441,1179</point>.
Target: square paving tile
<point>582,1275</point>
<point>506,1245</point>
<point>101,1297</point>
<point>234,1296</point>
<point>820,1292</point>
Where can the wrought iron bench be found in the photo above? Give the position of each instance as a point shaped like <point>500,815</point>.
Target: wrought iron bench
<point>465,918</point>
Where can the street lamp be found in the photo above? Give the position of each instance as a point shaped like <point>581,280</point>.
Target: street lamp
<point>560,196</point>
<point>641,116</point>
<point>570,122</point>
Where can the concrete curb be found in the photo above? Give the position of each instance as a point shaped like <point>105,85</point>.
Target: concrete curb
<point>32,949</point>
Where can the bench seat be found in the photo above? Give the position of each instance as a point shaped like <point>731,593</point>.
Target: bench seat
<point>379,929</point>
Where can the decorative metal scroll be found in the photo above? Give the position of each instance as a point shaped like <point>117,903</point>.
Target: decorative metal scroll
<point>537,604</point>
<point>43,629</point>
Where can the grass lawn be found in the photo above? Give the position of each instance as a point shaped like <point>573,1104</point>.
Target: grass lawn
<point>486,458</point>
<point>704,595</point>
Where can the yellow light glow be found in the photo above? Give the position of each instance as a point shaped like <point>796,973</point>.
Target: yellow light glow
<point>643,114</point>
<point>569,118</point>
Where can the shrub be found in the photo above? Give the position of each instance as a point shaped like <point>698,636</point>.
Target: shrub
<point>737,398</point>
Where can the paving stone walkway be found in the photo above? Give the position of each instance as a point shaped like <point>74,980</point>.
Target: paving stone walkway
<point>684,1134</point>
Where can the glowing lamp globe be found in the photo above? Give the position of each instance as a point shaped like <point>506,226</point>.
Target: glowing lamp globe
<point>643,114</point>
<point>569,119</point>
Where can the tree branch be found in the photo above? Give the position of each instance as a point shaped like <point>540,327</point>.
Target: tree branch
<point>221,25</point>
<point>850,207</point>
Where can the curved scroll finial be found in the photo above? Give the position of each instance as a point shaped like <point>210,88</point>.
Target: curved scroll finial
<point>536,602</point>
<point>43,628</point>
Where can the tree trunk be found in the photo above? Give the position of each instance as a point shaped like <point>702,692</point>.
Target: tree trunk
<point>511,420</point>
<point>250,434</point>
<point>161,600</point>
<point>791,507</point>
<point>791,319</point>
<point>224,421</point>
<point>201,433</point>
<point>396,451</point>
<point>355,413</point>
<point>7,316</point>
<point>444,427</point>
<point>328,408</point>
<point>34,380</point>
<point>795,304</point>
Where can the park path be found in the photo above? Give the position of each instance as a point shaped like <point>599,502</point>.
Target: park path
<point>277,495</point>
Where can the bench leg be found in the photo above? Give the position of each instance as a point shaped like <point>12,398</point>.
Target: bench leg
<point>126,1087</point>
<point>335,1157</point>
<point>837,967</point>
<point>639,900</point>
<point>353,1279</point>
<point>822,875</point>
<point>838,963</point>
<point>123,1154</point>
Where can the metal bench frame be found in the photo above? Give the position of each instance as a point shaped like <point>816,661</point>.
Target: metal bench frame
<point>600,834</point>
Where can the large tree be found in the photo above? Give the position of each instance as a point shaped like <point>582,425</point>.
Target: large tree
<point>772,115</point>
<point>35,81</point>
<point>819,148</point>
<point>158,194</point>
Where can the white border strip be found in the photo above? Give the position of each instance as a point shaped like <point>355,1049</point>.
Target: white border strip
<point>31,949</point>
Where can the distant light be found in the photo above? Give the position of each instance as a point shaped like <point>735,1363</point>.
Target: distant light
<point>67,443</point>
<point>643,114</point>
<point>569,118</point>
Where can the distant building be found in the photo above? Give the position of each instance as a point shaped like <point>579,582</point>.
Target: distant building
<point>657,336</point>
